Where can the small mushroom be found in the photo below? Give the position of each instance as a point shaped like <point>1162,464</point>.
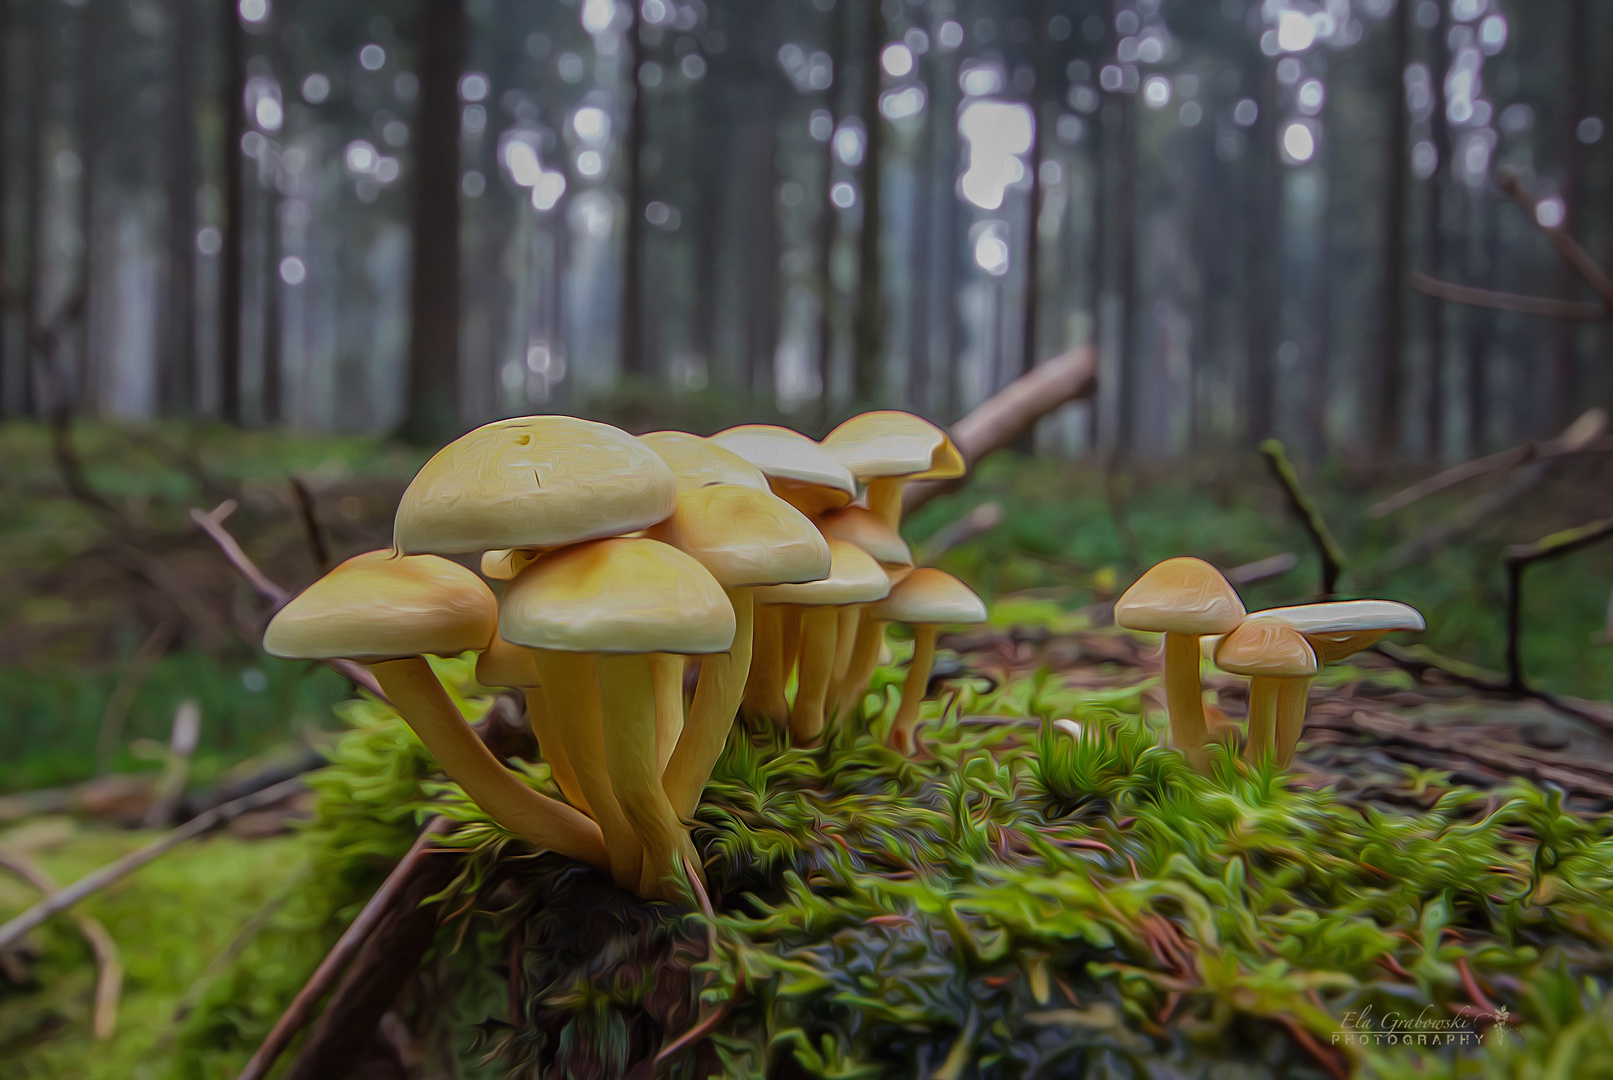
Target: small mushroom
<point>389,612</point>
<point>1335,630</point>
<point>597,613</point>
<point>854,578</point>
<point>697,462</point>
<point>799,471</point>
<point>860,637</point>
<point>926,599</point>
<point>1184,599</point>
<point>886,450</point>
<point>746,539</point>
<point>1280,664</point>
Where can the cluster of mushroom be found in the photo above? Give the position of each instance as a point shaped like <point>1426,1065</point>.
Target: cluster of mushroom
<point>756,553</point>
<point>1279,649</point>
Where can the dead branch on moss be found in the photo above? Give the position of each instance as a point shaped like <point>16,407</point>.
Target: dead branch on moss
<point>1519,558</point>
<point>108,965</point>
<point>1309,514</point>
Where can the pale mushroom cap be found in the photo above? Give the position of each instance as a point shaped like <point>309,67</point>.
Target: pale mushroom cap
<point>1269,649</point>
<point>890,443</point>
<point>382,605</point>
<point>866,529</point>
<point>502,564</point>
<point>1342,628</point>
<point>1180,596</point>
<point>928,595</point>
<point>505,664</point>
<point>854,578</point>
<point>533,481</point>
<point>697,462</point>
<point>745,537</point>
<point>626,595</point>
<point>783,454</point>
<point>813,500</point>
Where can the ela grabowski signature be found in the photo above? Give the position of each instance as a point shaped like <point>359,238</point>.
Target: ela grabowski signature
<point>1360,1027</point>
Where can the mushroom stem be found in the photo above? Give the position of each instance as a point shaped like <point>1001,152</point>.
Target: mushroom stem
<point>553,749</point>
<point>1261,741</point>
<point>711,715</point>
<point>818,626</point>
<point>667,671</point>
<point>1292,700</point>
<point>845,641</point>
<point>627,691</point>
<point>1184,696</point>
<point>918,680</point>
<point>539,820</point>
<point>790,654</point>
<point>885,499</point>
<point>764,689</point>
<point>575,708</point>
<point>864,658</point>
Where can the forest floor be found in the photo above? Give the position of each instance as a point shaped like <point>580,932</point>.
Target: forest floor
<point>1434,846</point>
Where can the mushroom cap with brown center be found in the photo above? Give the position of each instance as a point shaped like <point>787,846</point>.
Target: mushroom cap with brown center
<point>930,596</point>
<point>885,442</point>
<point>532,482</point>
<point>1266,649</point>
<point>745,537</point>
<point>503,663</point>
<point>799,470</point>
<point>854,578</point>
<point>861,526</point>
<point>627,595</point>
<point>382,605</point>
<point>698,462</point>
<point>1340,628</point>
<point>1180,596</point>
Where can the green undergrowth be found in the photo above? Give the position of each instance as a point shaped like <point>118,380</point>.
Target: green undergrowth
<point>1018,902</point>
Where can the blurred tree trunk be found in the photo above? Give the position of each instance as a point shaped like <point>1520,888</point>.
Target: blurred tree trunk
<point>829,220</point>
<point>1386,377</point>
<point>42,68</point>
<point>1563,388</point>
<point>762,258</point>
<point>1033,232</point>
<point>1125,204</point>
<point>432,414</point>
<point>232,255</point>
<point>868,329</point>
<point>273,344</point>
<point>632,344</point>
<point>177,364</point>
<point>918,355</point>
<point>949,226</point>
<point>1265,254</point>
<point>1439,130</point>
<point>7,285</point>
<point>72,390</point>
<point>1098,268</point>
<point>1483,257</point>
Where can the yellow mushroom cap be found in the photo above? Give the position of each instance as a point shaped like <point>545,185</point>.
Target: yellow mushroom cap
<point>502,564</point>
<point>860,526</point>
<point>1180,596</point>
<point>1342,628</point>
<point>890,443</point>
<point>628,595</point>
<point>381,605</point>
<point>505,664</point>
<point>783,454</point>
<point>745,537</point>
<point>697,462</point>
<point>854,578</point>
<point>533,481</point>
<point>1268,649</point>
<point>928,595</point>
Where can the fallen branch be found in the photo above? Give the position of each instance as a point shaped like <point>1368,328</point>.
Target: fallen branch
<point>1310,516</point>
<point>182,740</point>
<point>982,519</point>
<point>1419,660</point>
<point>1444,533</point>
<point>310,524</point>
<point>118,705</point>
<point>1583,434</point>
<point>1566,246</point>
<point>1519,558</point>
<point>90,883</point>
<point>1505,301</point>
<point>108,966</point>
<point>403,876</point>
<point>1262,569</point>
<point>1004,417</point>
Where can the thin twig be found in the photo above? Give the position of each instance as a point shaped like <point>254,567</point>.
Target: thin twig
<point>1505,301</point>
<point>1566,246</point>
<point>306,510</point>
<point>1519,558</point>
<point>302,1006</point>
<point>108,967</point>
<point>1309,514</point>
<point>94,881</point>
<point>1419,660</point>
<point>117,706</point>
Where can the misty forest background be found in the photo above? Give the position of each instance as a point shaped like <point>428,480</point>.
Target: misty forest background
<point>411,218</point>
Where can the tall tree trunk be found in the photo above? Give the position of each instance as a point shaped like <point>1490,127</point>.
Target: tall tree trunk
<point>868,330</point>
<point>1098,271</point>
<point>949,225</point>
<point>1563,388</point>
<point>42,66</point>
<point>272,410</point>
<point>632,344</point>
<point>1265,252</point>
<point>1439,62</point>
<point>919,396</point>
<point>1386,382</point>
<point>6,283</point>
<point>232,255</point>
<point>177,364</point>
<point>1125,202</point>
<point>1483,254</point>
<point>72,389</point>
<point>762,258</point>
<point>433,406</point>
<point>1033,234</point>
<point>829,219</point>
